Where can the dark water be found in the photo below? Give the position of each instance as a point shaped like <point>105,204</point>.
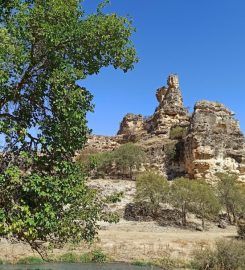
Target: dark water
<point>77,266</point>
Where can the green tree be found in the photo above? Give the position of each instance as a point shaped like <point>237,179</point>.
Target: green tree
<point>102,162</point>
<point>55,209</point>
<point>153,188</point>
<point>204,200</point>
<point>181,196</point>
<point>127,157</point>
<point>231,195</point>
<point>45,48</point>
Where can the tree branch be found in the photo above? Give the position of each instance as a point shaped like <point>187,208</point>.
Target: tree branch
<point>8,115</point>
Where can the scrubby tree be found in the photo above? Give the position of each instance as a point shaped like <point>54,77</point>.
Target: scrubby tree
<point>181,196</point>
<point>231,195</point>
<point>128,157</point>
<point>121,161</point>
<point>204,200</point>
<point>45,48</point>
<point>153,188</point>
<point>102,163</point>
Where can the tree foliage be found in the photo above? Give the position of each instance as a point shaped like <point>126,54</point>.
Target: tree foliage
<point>181,196</point>
<point>194,196</point>
<point>204,201</point>
<point>153,188</point>
<point>231,195</point>
<point>127,157</point>
<point>45,48</point>
<point>48,208</point>
<point>121,161</point>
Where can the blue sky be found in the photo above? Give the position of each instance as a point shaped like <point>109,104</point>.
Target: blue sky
<point>202,41</point>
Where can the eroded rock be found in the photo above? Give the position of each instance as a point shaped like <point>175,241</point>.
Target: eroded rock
<point>214,142</point>
<point>179,144</point>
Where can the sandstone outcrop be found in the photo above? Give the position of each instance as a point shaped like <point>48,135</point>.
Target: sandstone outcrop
<point>179,144</point>
<point>214,142</point>
<point>169,113</point>
<point>131,124</point>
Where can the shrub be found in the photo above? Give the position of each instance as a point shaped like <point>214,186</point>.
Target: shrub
<point>102,162</point>
<point>85,158</point>
<point>141,263</point>
<point>170,151</point>
<point>204,201</point>
<point>181,196</point>
<point>85,258</point>
<point>98,256</point>
<point>177,133</point>
<point>232,195</point>
<point>194,196</point>
<point>69,257</point>
<point>227,255</point>
<point>122,160</point>
<point>153,188</point>
<point>114,198</point>
<point>30,260</point>
<point>128,157</point>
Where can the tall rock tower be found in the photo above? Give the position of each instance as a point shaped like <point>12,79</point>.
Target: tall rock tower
<point>170,111</point>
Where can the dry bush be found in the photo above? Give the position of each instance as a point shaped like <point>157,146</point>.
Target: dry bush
<point>227,255</point>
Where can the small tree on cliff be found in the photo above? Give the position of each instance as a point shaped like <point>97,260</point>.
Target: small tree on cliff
<point>46,46</point>
<point>127,157</point>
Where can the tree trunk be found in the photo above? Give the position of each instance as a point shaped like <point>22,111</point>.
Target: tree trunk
<point>183,216</point>
<point>234,216</point>
<point>228,214</point>
<point>203,222</point>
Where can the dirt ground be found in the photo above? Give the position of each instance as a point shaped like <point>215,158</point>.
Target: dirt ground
<point>129,240</point>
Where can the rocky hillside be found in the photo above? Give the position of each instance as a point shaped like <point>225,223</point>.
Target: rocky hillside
<point>178,143</point>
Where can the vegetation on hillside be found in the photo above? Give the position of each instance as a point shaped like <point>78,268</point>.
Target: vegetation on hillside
<point>153,188</point>
<point>231,195</point>
<point>192,196</point>
<point>123,161</point>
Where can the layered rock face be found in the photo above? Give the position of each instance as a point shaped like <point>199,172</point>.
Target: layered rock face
<point>132,124</point>
<point>169,113</point>
<point>214,142</point>
<point>179,144</point>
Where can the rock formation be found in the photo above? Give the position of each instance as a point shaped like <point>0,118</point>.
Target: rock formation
<point>169,113</point>
<point>180,144</point>
<point>131,124</point>
<point>214,142</point>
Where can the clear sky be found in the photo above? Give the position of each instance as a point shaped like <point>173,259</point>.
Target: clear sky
<point>202,41</point>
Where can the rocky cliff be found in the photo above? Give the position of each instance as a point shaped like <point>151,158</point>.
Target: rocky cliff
<point>178,143</point>
<point>214,142</point>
